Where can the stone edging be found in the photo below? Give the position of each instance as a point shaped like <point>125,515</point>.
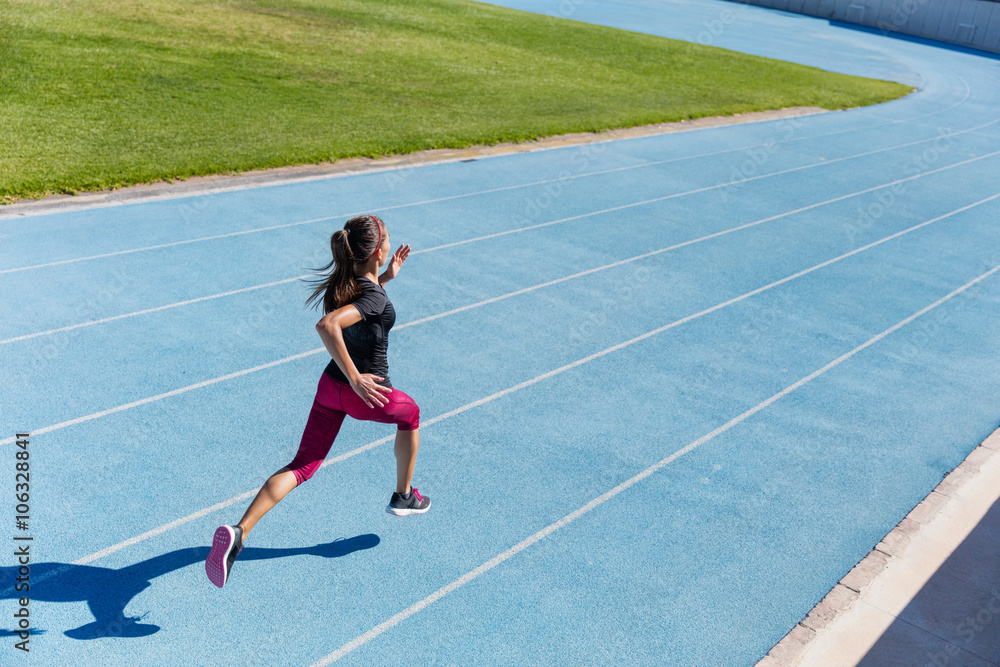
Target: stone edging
<point>793,646</point>
<point>197,185</point>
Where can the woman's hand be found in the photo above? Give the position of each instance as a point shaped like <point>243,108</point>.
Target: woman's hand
<point>370,391</point>
<point>392,268</point>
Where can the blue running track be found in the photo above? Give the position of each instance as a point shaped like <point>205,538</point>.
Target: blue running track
<point>672,388</point>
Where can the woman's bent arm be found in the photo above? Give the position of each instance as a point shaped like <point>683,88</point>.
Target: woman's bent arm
<point>330,330</point>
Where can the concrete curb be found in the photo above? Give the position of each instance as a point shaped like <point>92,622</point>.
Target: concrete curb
<point>199,185</point>
<point>791,649</point>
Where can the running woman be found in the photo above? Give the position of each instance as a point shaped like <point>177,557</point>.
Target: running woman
<point>355,331</point>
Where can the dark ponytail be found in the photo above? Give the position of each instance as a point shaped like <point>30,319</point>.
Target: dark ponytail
<point>355,243</point>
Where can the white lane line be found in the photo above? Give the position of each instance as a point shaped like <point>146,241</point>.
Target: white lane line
<point>150,310</point>
<point>527,289</point>
<point>608,495</point>
<point>520,229</point>
<point>698,240</point>
<point>294,357</point>
<point>682,194</point>
<point>166,245</point>
<point>968,91</point>
<point>168,394</point>
<point>864,112</point>
<point>165,527</point>
<point>378,210</point>
<point>482,401</point>
<point>140,538</point>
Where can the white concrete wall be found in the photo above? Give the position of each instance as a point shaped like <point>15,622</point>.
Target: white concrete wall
<point>974,23</point>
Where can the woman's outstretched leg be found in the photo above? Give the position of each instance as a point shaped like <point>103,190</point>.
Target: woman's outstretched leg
<point>321,430</point>
<point>275,488</point>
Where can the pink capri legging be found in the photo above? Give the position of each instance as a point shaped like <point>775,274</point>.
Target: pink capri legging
<point>334,400</point>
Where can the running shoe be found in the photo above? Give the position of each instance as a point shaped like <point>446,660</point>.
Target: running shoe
<point>226,546</point>
<point>400,505</point>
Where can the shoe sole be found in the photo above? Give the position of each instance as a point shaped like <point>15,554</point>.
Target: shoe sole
<point>405,511</point>
<point>215,564</point>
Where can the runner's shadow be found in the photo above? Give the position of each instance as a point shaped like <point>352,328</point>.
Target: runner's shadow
<point>108,591</point>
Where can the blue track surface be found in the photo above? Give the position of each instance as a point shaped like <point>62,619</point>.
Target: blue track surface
<point>785,248</point>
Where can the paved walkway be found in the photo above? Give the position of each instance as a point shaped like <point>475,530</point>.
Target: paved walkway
<point>929,594</point>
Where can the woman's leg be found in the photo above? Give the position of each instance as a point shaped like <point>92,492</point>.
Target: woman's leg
<point>321,430</point>
<point>402,411</point>
<point>407,443</point>
<point>275,488</point>
<point>322,427</point>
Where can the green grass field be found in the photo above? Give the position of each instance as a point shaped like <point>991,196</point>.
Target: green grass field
<point>98,94</point>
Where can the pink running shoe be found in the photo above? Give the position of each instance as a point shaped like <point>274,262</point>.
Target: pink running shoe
<point>226,546</point>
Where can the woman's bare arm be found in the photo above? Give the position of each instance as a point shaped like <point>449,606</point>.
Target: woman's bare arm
<point>330,330</point>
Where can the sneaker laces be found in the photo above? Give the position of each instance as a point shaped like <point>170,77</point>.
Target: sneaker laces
<point>417,494</point>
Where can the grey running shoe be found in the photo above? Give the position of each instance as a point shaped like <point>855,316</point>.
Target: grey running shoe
<point>226,546</point>
<point>400,505</point>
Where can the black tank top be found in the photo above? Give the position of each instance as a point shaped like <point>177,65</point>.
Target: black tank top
<point>368,340</point>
